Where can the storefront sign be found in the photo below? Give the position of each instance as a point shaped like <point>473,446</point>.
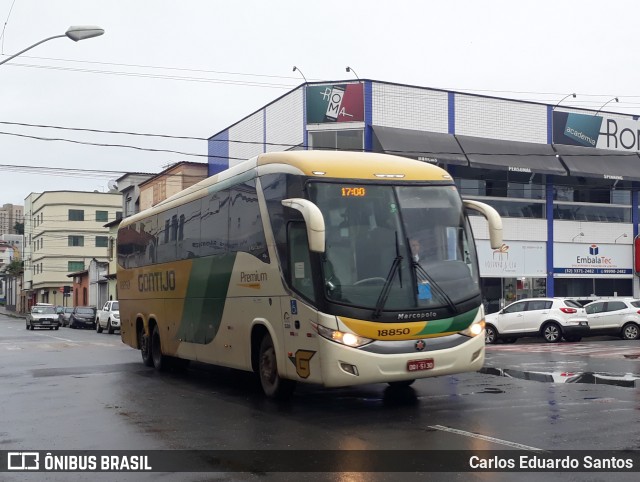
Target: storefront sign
<point>335,103</point>
<point>512,259</point>
<point>592,260</point>
<point>596,131</point>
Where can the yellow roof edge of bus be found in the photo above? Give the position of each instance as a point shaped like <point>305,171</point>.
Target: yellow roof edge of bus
<point>357,165</point>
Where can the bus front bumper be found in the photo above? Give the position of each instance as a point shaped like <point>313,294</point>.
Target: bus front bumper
<point>345,366</point>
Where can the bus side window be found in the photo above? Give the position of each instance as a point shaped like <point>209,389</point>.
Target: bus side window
<point>299,261</point>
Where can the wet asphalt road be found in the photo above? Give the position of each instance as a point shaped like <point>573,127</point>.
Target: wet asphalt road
<point>76,389</point>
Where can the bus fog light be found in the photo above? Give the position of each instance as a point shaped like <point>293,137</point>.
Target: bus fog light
<point>475,355</point>
<point>351,369</point>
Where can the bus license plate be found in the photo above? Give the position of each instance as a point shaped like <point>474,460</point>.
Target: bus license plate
<point>417,365</point>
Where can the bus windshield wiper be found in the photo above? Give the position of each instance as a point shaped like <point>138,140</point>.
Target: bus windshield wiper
<point>386,288</point>
<point>423,276</point>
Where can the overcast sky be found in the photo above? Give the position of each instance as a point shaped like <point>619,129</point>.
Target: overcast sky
<point>193,67</point>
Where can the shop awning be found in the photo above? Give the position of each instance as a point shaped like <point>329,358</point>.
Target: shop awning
<point>600,163</point>
<point>431,147</point>
<point>511,156</point>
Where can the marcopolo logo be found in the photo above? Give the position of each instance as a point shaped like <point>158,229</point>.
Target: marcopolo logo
<point>583,129</point>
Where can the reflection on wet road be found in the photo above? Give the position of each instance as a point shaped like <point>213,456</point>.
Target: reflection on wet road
<point>76,389</point>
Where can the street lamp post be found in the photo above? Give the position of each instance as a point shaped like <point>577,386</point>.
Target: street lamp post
<point>74,33</point>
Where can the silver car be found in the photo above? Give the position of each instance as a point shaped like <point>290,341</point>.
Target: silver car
<point>65,315</point>
<point>43,316</point>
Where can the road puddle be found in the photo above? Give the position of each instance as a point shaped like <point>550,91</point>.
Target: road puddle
<point>628,380</point>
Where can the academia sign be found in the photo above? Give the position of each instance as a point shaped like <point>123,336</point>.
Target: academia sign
<point>596,131</point>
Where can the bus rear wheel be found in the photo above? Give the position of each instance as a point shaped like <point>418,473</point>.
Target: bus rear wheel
<point>273,385</point>
<point>160,361</point>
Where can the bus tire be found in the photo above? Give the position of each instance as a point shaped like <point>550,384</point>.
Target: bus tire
<point>160,361</point>
<point>272,384</point>
<point>145,347</point>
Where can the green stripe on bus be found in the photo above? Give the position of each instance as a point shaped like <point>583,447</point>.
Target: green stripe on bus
<point>205,298</point>
<point>455,323</point>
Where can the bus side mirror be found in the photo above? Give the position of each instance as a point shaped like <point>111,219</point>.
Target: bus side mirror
<point>313,219</point>
<point>493,218</point>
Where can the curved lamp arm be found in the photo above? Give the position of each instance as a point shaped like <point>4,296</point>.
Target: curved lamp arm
<point>74,33</point>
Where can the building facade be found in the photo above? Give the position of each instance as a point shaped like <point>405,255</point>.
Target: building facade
<point>11,246</point>
<point>10,214</point>
<point>565,180</point>
<point>172,180</point>
<point>129,187</point>
<point>64,232</point>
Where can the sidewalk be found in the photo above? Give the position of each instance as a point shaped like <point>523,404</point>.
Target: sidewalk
<point>4,311</point>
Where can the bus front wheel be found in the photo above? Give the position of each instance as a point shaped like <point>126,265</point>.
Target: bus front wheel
<point>273,385</point>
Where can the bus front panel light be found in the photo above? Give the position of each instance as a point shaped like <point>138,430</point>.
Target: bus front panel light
<point>348,339</point>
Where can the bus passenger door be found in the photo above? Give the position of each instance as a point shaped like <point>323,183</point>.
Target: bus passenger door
<point>298,313</point>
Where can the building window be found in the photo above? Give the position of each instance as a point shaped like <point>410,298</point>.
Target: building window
<point>76,215</point>
<point>102,216</point>
<point>102,241</point>
<point>342,140</point>
<point>75,266</point>
<point>118,214</point>
<point>76,240</point>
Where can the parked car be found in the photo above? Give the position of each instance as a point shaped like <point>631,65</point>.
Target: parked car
<point>65,315</point>
<point>42,316</point>
<point>615,317</point>
<point>550,318</point>
<point>108,317</point>
<point>83,317</point>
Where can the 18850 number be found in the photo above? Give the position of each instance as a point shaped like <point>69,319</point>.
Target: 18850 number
<point>394,332</point>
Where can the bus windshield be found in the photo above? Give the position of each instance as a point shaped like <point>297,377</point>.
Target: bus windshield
<point>391,247</point>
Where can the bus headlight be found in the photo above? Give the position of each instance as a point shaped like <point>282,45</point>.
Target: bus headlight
<point>474,329</point>
<point>348,339</point>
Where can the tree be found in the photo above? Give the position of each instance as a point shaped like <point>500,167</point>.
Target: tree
<point>15,268</point>
<point>18,228</point>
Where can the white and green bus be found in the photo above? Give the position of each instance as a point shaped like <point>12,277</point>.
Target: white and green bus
<point>298,266</point>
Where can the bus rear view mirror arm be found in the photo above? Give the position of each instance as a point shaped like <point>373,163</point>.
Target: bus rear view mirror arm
<point>313,219</point>
<point>493,218</point>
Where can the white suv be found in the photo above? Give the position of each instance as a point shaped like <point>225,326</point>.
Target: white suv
<point>551,318</point>
<point>615,317</point>
<point>108,317</point>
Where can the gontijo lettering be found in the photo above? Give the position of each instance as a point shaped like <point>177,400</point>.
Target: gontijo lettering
<point>157,281</point>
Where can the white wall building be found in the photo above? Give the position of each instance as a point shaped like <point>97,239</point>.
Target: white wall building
<point>64,231</point>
